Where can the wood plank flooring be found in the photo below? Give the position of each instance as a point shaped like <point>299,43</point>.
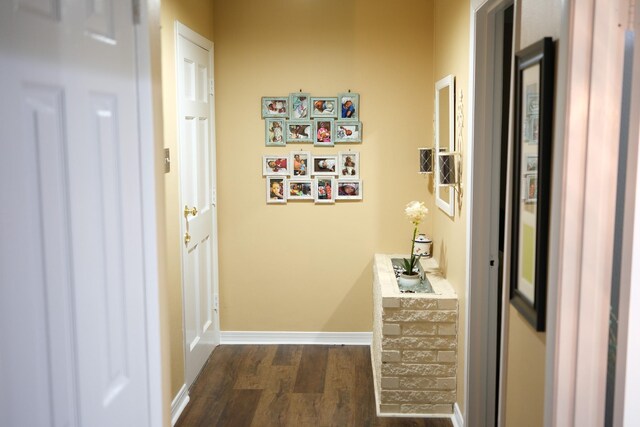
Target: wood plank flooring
<point>289,385</point>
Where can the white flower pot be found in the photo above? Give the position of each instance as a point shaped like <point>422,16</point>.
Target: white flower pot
<point>408,281</point>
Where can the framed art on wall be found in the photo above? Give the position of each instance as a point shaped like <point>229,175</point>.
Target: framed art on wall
<point>348,165</point>
<point>299,131</point>
<point>299,105</point>
<point>349,106</point>
<point>348,131</point>
<point>324,165</point>
<point>274,106</point>
<point>275,165</point>
<point>300,189</point>
<point>349,190</point>
<point>300,162</point>
<point>531,180</point>
<point>274,132</point>
<point>276,189</point>
<point>324,106</point>
<point>325,190</point>
<point>324,131</point>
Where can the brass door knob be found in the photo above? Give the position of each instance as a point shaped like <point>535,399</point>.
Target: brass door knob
<point>187,237</point>
<point>193,211</point>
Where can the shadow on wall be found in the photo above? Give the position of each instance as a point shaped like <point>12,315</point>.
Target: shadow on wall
<point>443,262</point>
<point>355,298</point>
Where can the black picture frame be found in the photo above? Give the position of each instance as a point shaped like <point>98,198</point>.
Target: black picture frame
<point>531,190</point>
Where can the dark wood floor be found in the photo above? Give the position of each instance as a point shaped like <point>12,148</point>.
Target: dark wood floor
<point>289,385</point>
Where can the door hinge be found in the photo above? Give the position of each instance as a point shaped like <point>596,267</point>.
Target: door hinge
<point>136,11</point>
<point>210,86</point>
<point>216,302</point>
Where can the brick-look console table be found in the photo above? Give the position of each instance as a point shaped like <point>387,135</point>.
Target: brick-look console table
<point>414,344</point>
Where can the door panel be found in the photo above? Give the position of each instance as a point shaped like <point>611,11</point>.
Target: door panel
<point>197,187</point>
<point>72,302</point>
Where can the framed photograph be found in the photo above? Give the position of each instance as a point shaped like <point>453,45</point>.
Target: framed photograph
<point>299,106</point>
<point>299,131</point>
<point>275,106</point>
<point>324,107</point>
<point>324,189</point>
<point>349,190</point>
<point>300,189</point>
<point>300,162</point>
<point>530,190</point>
<point>531,163</point>
<point>348,165</point>
<point>324,132</point>
<point>274,132</point>
<point>324,166</point>
<point>349,106</point>
<point>275,165</point>
<point>348,131</point>
<point>531,180</point>
<point>276,186</point>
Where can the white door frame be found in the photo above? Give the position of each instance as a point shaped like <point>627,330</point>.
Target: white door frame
<point>484,149</point>
<point>583,210</point>
<point>147,34</point>
<point>182,30</point>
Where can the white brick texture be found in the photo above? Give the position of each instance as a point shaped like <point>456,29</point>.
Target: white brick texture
<point>414,348</point>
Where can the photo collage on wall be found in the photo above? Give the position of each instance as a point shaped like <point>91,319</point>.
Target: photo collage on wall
<point>323,122</point>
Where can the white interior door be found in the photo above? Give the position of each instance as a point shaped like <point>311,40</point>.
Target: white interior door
<point>197,185</point>
<point>72,293</point>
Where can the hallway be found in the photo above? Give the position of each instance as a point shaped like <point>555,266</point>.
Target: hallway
<point>289,385</point>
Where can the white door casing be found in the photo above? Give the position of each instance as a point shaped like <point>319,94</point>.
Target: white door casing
<point>73,314</point>
<point>196,142</point>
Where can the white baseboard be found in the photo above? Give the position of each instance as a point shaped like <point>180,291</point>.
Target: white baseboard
<point>456,418</point>
<point>267,337</point>
<point>179,403</point>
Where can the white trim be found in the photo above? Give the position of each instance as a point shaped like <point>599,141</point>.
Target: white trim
<point>482,297</point>
<point>179,403</point>
<point>456,418</point>
<point>270,337</point>
<point>147,35</point>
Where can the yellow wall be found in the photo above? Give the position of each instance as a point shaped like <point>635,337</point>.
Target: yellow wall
<point>526,348</point>
<point>197,15</point>
<point>525,379</point>
<point>449,234</point>
<point>300,266</point>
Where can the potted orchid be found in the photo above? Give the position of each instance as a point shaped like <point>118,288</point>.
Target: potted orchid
<point>415,211</point>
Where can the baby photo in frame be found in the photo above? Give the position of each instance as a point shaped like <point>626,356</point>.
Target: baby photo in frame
<point>349,190</point>
<point>323,106</point>
<point>348,131</point>
<point>276,189</point>
<point>299,131</point>
<point>275,106</point>
<point>299,106</point>
<point>324,166</point>
<point>275,165</point>
<point>324,190</point>
<point>299,162</point>
<point>324,132</point>
<point>300,189</point>
<point>348,165</point>
<point>349,106</point>
<point>274,132</point>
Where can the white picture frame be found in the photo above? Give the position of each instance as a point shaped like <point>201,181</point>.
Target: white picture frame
<point>276,186</point>
<point>324,189</point>
<point>348,165</point>
<point>279,167</point>
<point>300,164</point>
<point>324,165</point>
<point>300,189</point>
<point>349,189</point>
